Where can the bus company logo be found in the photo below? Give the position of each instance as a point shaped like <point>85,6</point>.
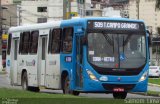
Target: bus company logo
<point>52,62</point>
<point>32,63</point>
<point>8,62</point>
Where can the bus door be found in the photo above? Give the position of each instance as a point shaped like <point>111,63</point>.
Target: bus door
<point>42,60</point>
<point>14,65</point>
<point>53,73</point>
<point>79,71</point>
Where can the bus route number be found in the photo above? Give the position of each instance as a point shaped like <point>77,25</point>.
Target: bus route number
<point>98,24</point>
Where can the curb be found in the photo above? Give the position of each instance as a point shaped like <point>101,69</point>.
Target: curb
<point>155,85</point>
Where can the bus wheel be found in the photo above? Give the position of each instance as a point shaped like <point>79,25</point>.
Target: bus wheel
<point>76,93</point>
<point>66,89</point>
<point>119,95</point>
<point>25,81</point>
<point>34,89</point>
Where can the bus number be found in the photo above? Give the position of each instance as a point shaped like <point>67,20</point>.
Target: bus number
<point>98,24</point>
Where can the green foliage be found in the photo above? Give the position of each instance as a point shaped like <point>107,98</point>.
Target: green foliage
<point>154,80</point>
<point>15,93</point>
<point>13,96</point>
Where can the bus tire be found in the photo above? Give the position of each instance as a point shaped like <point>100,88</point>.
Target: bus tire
<point>119,95</point>
<point>66,89</point>
<point>76,93</point>
<point>34,89</point>
<point>25,81</point>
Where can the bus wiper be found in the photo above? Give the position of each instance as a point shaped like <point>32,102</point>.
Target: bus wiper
<point>110,41</point>
<point>127,39</point>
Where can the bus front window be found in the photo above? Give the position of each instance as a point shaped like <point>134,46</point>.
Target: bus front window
<point>117,51</point>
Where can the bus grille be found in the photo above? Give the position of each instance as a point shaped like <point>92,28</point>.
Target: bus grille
<point>110,87</point>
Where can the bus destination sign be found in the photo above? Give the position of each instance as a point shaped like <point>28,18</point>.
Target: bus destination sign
<point>113,25</point>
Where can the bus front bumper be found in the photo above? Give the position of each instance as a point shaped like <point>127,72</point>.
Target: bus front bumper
<point>98,86</point>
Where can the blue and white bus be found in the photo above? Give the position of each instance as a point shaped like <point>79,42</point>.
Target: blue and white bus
<point>84,55</point>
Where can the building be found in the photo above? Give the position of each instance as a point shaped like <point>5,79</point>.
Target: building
<point>10,16</point>
<point>89,8</point>
<point>145,10</point>
<point>6,2</point>
<point>31,12</point>
<point>39,11</point>
<point>61,9</point>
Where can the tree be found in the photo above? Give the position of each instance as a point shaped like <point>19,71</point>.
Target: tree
<point>157,4</point>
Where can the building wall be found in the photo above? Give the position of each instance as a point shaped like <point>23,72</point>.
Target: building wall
<point>146,12</point>
<point>10,16</point>
<point>6,2</point>
<point>29,11</point>
<point>89,9</point>
<point>55,9</point>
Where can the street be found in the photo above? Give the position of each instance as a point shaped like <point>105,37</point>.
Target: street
<point>4,84</point>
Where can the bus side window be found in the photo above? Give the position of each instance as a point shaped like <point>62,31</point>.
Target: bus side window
<point>9,44</point>
<point>20,44</point>
<point>24,43</point>
<point>33,42</point>
<point>67,40</point>
<point>56,41</point>
<point>50,39</point>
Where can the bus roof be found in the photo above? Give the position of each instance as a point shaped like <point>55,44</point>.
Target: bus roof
<point>64,23</point>
<point>35,26</point>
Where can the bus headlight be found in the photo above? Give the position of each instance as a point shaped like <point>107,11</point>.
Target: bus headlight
<point>144,76</point>
<point>91,75</point>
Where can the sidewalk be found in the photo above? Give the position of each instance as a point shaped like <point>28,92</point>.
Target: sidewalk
<point>153,87</point>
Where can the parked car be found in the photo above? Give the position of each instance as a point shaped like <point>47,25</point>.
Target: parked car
<point>154,71</point>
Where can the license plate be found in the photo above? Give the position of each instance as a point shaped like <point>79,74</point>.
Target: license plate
<point>118,89</point>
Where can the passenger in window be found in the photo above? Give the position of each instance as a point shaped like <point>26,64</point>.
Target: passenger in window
<point>55,47</point>
<point>69,46</point>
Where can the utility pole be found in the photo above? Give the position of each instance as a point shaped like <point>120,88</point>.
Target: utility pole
<point>0,19</point>
<point>138,2</point>
<point>64,9</point>
<point>0,28</point>
<point>69,9</point>
<point>19,15</point>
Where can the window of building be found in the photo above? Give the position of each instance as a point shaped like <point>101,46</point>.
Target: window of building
<point>89,13</point>
<point>41,20</point>
<point>24,42</point>
<point>81,1</point>
<point>9,44</point>
<point>34,42</point>
<point>67,40</point>
<point>41,9</point>
<point>55,41</point>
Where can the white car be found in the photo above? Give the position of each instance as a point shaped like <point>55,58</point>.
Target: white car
<point>154,71</point>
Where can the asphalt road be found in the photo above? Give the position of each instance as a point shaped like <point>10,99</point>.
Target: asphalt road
<point>4,83</point>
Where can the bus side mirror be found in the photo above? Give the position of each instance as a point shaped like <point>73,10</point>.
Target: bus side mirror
<point>149,38</point>
<point>149,41</point>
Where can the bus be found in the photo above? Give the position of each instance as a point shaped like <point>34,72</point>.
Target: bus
<point>82,55</point>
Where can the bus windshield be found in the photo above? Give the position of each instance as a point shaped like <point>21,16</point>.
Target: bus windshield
<point>117,51</point>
